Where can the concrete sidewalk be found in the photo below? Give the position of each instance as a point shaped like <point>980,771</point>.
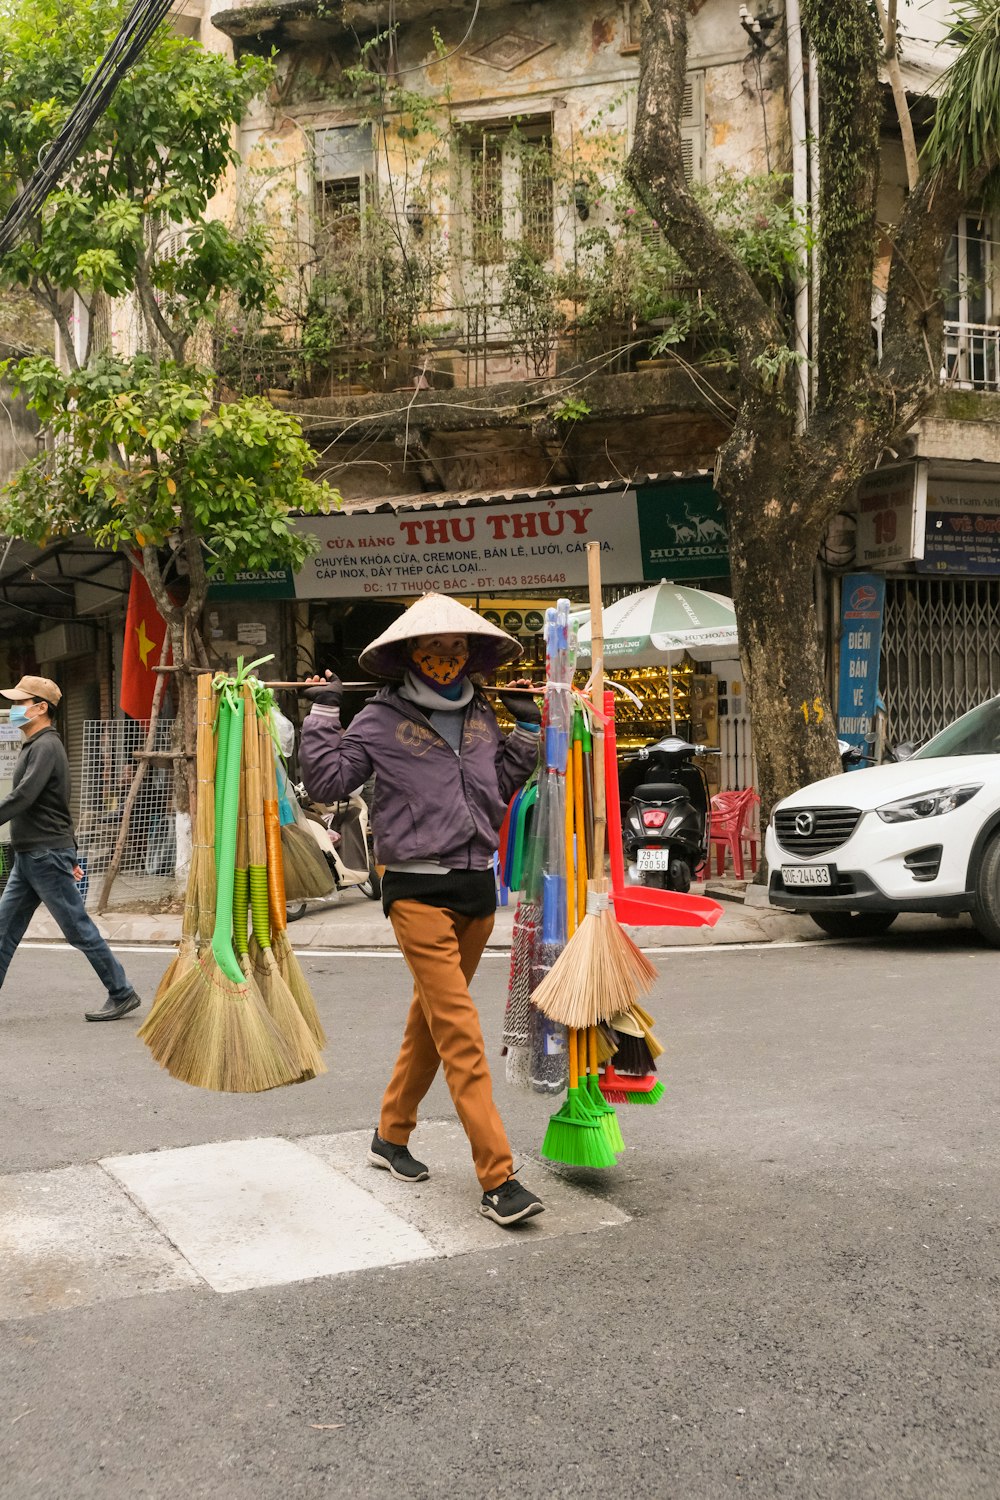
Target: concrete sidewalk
<point>353,922</point>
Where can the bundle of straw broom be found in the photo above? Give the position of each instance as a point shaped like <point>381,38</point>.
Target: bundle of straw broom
<point>600,972</point>
<point>210,1026</point>
<point>277,901</point>
<point>262,967</point>
<point>199,897</point>
<point>584,1132</point>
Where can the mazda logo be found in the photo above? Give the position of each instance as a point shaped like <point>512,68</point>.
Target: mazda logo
<point>805,823</point>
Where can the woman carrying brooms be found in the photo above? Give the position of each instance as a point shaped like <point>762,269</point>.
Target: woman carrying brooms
<point>444,775</point>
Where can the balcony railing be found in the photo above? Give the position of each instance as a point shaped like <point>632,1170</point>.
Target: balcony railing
<point>455,347</point>
<point>971,352</point>
<point>971,356</point>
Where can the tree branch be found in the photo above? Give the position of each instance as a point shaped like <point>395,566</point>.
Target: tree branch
<point>155,321</point>
<point>48,298</point>
<point>197,579</point>
<point>890,36</point>
<point>656,170</point>
<point>846,43</point>
<point>914,314</point>
<point>154,577</point>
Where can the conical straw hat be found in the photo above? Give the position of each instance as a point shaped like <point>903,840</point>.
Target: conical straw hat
<point>436,614</point>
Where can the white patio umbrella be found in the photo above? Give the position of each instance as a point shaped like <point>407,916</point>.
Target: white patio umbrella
<point>657,626</point>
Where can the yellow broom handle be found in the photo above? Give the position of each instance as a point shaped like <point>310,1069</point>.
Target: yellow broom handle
<point>272,836</point>
<point>581,832</point>
<point>597,703</point>
<point>574,1077</point>
<point>570,866</point>
<point>592,1047</point>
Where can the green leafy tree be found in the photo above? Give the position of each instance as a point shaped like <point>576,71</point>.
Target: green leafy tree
<point>143,455</point>
<point>781,478</point>
<point>151,166</point>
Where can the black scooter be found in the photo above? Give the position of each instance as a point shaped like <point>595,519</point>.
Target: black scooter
<point>665,813</point>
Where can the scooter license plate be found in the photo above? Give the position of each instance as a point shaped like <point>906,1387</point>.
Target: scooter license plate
<point>653,859</point>
<point>808,874</point>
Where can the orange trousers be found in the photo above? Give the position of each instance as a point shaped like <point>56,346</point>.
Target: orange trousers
<point>443,951</point>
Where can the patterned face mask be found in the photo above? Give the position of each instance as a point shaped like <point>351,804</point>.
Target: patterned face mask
<point>443,670</point>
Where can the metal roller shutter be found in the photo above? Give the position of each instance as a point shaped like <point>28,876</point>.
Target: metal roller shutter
<point>80,701</point>
<point>941,651</point>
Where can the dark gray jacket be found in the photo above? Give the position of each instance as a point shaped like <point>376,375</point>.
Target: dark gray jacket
<point>38,806</point>
<point>430,804</point>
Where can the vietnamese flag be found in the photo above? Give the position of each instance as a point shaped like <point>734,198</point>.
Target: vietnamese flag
<point>145,633</point>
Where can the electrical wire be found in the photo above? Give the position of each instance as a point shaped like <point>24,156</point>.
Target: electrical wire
<point>124,51</point>
<point>422,67</point>
<point>763,107</point>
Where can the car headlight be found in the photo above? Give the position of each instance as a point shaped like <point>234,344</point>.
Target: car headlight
<point>928,804</point>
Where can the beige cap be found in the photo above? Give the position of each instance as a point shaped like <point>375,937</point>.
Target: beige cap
<point>34,687</point>
<point>436,614</point>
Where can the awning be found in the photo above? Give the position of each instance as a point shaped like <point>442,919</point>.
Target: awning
<point>70,579</point>
<point>449,499</point>
<point>922,65</point>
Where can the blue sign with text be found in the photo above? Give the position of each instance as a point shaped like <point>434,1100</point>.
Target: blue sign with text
<point>862,608</point>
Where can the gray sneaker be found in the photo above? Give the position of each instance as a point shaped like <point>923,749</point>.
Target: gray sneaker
<point>397,1160</point>
<point>510,1203</point>
<point>113,1010</point>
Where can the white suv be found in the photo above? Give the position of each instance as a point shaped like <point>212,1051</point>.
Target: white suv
<point>920,835</point>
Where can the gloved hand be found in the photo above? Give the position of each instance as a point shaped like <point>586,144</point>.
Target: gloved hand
<point>328,690</point>
<point>521,706</point>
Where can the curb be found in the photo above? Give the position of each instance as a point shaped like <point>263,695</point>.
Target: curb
<point>739,926</point>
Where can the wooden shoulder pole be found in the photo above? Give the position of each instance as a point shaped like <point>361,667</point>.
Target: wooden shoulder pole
<point>597,703</point>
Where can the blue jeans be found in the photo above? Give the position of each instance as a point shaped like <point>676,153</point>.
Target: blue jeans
<point>46,877</point>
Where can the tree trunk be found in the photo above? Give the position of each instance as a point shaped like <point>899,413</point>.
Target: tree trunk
<point>779,488</point>
<point>890,31</point>
<point>188,650</point>
<point>773,569</point>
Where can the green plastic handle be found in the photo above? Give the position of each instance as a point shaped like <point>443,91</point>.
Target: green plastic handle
<point>241,907</point>
<point>230,752</point>
<point>258,905</point>
<point>222,731</point>
<point>517,863</point>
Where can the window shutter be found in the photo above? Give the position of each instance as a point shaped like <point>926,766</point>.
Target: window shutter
<point>632,30</point>
<point>693,128</point>
<point>173,243</point>
<point>343,151</point>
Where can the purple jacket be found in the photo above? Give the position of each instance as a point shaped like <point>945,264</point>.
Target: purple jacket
<point>430,804</point>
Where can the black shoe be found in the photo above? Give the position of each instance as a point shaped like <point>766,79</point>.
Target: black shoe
<point>397,1160</point>
<point>113,1010</point>
<point>510,1203</point>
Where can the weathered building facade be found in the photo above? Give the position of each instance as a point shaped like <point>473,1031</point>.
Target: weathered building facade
<point>446,186</point>
<point>474,310</point>
<point>475,306</point>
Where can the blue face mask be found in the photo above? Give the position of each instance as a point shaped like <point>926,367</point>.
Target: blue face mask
<point>18,715</point>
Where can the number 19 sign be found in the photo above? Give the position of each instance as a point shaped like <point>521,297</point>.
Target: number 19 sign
<point>892,510</point>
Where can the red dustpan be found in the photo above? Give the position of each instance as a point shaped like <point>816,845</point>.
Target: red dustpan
<point>634,905</point>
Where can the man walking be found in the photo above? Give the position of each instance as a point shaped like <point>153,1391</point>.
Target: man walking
<point>41,829</point>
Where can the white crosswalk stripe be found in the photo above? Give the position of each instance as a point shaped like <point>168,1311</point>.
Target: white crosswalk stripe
<point>255,1213</point>
<point>234,1215</point>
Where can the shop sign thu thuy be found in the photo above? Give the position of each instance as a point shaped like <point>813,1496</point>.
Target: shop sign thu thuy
<point>534,544</point>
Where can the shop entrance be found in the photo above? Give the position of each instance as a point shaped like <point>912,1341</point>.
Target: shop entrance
<point>941,651</point>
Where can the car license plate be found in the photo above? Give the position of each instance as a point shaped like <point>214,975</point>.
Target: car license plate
<point>807,874</point>
<point>653,859</point>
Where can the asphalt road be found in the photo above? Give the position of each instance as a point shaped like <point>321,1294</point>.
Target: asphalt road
<point>804,1303</point>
